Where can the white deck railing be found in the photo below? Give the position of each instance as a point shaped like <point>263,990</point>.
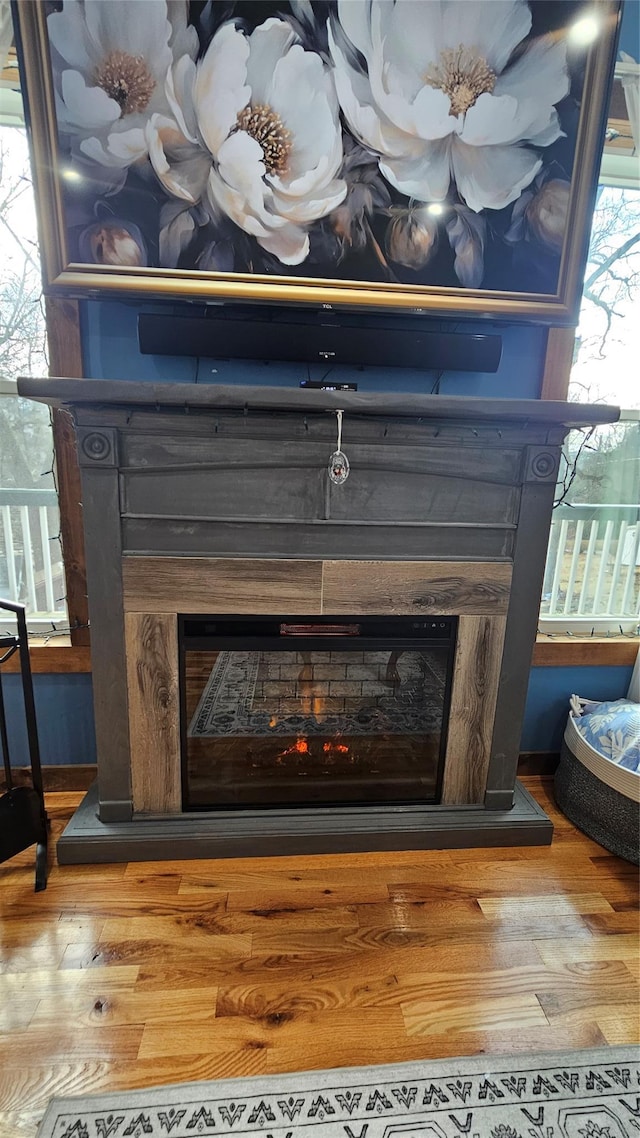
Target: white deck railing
<point>593,567</point>
<point>31,568</point>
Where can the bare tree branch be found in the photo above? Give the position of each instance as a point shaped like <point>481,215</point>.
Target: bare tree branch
<point>621,251</point>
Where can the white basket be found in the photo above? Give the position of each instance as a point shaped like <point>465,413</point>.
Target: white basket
<point>624,781</point>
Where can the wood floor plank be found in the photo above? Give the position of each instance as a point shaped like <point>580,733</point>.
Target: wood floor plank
<point>609,864</point>
<point>575,981</point>
<point>421,930</point>
<point>282,941</point>
<point>618,1025</point>
<point>292,919</point>
<point>48,981</point>
<point>17,1013</point>
<point>86,874</point>
<point>611,924</point>
<point>314,881</point>
<point>274,1031</point>
<point>565,846</point>
<point>194,969</point>
<point>264,998</point>
<point>17,932</point>
<point>510,879</point>
<point>179,1068</point>
<point>192,928</point>
<point>255,870</point>
<point>105,1042</point>
<point>344,1049</point>
<point>183,963</point>
<point>31,957</point>
<point>466,920</point>
<point>548,905</point>
<point>633,968</point>
<point>511,1040</point>
<point>411,915</point>
<point>28,1088</point>
<point>624,946</point>
<point>577,1007</point>
<point>450,1017</point>
<point>118,1007</point>
<point>325,896</point>
<point>25,1091</point>
<point>157,893</point>
<point>274,996</point>
<point>618,1022</point>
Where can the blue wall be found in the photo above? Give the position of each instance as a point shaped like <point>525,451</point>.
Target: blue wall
<point>630,29</point>
<point>64,713</point>
<point>111,352</point>
<point>548,700</point>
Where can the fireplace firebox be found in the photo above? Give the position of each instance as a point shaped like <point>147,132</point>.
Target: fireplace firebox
<point>292,711</point>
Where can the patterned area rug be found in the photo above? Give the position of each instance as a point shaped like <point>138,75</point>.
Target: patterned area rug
<point>230,703</point>
<point>576,1094</point>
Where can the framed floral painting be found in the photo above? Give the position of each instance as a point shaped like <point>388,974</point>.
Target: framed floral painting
<point>429,155</point>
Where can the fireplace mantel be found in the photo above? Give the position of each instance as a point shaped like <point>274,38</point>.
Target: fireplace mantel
<point>216,500</point>
<point>209,396</point>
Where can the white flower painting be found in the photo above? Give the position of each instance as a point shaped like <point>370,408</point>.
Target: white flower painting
<point>111,59</point>
<point>444,95</point>
<point>273,162</point>
<point>399,142</point>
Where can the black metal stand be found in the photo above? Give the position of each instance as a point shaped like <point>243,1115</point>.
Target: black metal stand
<point>23,819</point>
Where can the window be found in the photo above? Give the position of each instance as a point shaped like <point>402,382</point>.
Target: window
<point>592,579</point>
<point>31,567</point>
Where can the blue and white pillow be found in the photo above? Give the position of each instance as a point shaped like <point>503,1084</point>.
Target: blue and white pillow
<point>611,728</point>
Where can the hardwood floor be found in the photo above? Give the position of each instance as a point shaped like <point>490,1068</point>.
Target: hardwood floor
<point>131,975</point>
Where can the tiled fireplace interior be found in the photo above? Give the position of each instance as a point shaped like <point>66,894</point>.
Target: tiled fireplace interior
<point>282,713</point>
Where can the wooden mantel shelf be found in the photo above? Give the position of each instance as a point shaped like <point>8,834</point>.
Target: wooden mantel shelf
<point>214,397</point>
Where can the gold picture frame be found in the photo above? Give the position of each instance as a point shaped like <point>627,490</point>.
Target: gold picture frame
<point>65,272</point>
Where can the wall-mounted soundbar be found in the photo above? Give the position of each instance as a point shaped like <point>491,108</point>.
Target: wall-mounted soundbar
<point>315,337</point>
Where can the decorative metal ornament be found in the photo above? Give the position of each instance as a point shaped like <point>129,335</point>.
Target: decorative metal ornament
<point>339,463</point>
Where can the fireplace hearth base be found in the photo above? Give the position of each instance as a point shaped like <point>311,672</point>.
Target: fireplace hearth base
<point>299,831</point>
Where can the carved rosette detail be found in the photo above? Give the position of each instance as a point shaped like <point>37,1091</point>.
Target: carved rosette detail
<point>542,466</point>
<point>96,446</point>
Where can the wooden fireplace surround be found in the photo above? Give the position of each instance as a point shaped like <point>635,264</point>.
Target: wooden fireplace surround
<point>216,500</point>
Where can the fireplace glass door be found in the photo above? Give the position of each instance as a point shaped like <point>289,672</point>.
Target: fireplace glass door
<point>281,712</point>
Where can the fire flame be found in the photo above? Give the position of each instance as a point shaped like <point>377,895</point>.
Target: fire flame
<point>300,747</point>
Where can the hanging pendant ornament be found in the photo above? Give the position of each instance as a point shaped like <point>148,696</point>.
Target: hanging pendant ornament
<point>339,463</point>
